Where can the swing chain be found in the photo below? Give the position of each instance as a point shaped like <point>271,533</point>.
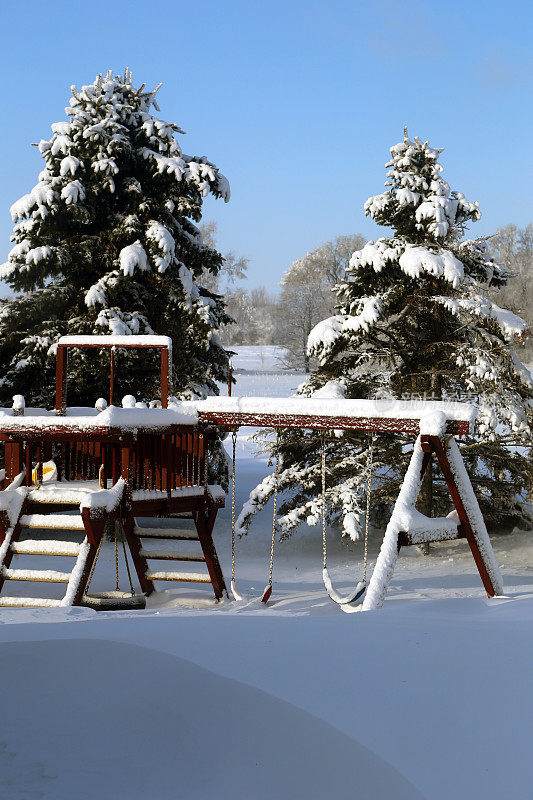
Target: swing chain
<point>116,555</point>
<point>95,560</point>
<point>324,553</point>
<point>369,468</point>
<point>274,514</point>
<point>234,448</point>
<point>119,523</point>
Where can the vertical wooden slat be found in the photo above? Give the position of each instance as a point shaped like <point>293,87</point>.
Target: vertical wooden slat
<point>185,460</point>
<point>114,459</point>
<point>189,459</point>
<point>195,470</point>
<point>39,466</point>
<point>152,462</point>
<point>104,464</point>
<point>8,463</point>
<point>28,463</point>
<point>142,464</point>
<point>125,462</point>
<point>84,460</point>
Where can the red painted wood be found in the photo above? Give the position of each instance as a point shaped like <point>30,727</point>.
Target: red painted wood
<point>165,367</point>
<point>384,425</point>
<point>61,378</point>
<point>204,520</point>
<point>28,463</point>
<point>62,360</point>
<point>461,512</point>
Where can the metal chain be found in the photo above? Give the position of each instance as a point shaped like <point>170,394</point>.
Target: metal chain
<point>116,555</point>
<point>234,443</point>
<point>206,464</point>
<point>274,515</point>
<point>198,471</point>
<point>126,556</point>
<point>95,560</point>
<point>369,467</point>
<point>324,551</point>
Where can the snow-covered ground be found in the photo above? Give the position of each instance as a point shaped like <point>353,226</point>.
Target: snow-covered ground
<point>429,697</point>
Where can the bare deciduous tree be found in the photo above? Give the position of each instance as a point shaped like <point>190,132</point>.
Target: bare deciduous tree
<point>307,297</point>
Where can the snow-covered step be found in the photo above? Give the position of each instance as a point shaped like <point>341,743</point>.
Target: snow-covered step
<point>165,533</point>
<point>64,522</point>
<point>45,547</point>
<point>185,577</point>
<point>28,602</point>
<point>46,575</point>
<point>167,555</point>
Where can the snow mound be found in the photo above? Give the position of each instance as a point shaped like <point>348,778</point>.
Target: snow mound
<point>191,733</point>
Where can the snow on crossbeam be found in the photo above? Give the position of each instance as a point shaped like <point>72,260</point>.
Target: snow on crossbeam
<point>410,416</point>
<point>116,341</point>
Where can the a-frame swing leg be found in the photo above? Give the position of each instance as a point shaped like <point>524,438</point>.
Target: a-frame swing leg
<point>407,525</point>
<point>204,520</point>
<point>478,541</point>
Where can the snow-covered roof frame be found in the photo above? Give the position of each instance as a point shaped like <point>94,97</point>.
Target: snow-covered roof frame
<point>161,343</point>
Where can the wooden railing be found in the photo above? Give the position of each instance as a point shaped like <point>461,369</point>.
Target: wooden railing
<point>149,460</point>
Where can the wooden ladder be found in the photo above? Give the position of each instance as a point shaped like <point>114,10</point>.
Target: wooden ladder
<point>47,535</point>
<point>157,544</point>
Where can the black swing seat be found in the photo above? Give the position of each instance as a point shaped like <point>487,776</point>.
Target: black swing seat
<point>113,601</point>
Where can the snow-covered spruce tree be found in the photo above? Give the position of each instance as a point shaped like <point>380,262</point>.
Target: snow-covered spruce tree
<point>106,243</point>
<point>413,322</point>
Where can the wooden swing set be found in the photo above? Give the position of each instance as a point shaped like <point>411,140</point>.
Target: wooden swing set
<point>408,526</point>
<point>113,466</point>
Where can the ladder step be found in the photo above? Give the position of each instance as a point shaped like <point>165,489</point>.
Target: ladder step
<point>28,602</point>
<point>165,533</point>
<point>185,577</point>
<point>166,555</point>
<point>46,547</point>
<point>45,575</point>
<point>66,522</point>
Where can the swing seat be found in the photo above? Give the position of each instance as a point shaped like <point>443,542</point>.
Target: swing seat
<point>113,601</point>
<point>342,600</point>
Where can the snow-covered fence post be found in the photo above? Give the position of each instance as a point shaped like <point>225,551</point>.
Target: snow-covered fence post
<point>19,405</point>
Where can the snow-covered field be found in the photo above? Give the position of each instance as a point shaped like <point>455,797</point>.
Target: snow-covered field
<point>428,697</point>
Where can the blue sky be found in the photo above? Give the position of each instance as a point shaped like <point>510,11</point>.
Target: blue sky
<point>296,102</point>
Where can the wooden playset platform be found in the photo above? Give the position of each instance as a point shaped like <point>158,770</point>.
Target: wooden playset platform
<point>117,464</point>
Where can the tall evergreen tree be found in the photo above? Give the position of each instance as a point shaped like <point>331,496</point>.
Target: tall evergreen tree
<point>106,243</point>
<point>413,321</point>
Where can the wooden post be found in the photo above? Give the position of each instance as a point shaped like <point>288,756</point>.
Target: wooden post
<point>230,376</point>
<point>204,520</point>
<point>125,465</point>
<point>28,463</point>
<point>112,377</point>
<point>61,378</point>
<point>442,458</point>
<point>165,369</point>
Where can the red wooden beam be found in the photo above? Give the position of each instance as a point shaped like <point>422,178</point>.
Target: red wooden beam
<point>378,424</point>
